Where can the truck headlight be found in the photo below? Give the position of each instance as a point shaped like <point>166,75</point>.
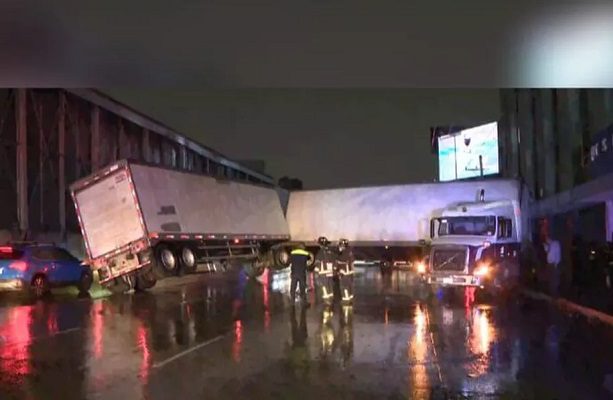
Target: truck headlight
<point>420,267</point>
<point>482,270</point>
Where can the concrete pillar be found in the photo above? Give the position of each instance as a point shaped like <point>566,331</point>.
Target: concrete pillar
<point>565,116</point>
<point>146,146</point>
<point>539,142</point>
<point>526,138</point>
<point>42,150</point>
<point>608,100</point>
<point>113,137</point>
<point>609,220</point>
<point>586,137</point>
<point>22,159</point>
<point>124,149</point>
<point>95,138</point>
<point>597,110</point>
<point>182,157</point>
<point>62,163</point>
<point>513,143</point>
<point>505,131</point>
<point>547,152</point>
<point>570,137</point>
<point>206,165</point>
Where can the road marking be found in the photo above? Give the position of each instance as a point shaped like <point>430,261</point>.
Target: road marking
<point>65,331</point>
<point>185,352</point>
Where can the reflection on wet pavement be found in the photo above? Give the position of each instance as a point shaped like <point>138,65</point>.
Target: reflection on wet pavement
<point>230,337</point>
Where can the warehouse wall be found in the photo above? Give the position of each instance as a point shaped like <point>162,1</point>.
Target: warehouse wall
<point>50,138</point>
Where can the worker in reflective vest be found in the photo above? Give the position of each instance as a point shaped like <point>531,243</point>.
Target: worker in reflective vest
<point>299,259</point>
<point>344,271</point>
<point>324,268</point>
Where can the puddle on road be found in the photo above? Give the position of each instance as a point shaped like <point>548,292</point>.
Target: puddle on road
<point>392,341</point>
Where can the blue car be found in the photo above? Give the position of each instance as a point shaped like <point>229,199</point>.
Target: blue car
<point>40,267</point>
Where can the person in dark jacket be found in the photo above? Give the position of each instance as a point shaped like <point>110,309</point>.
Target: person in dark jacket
<point>325,263</point>
<point>344,272</point>
<point>299,259</point>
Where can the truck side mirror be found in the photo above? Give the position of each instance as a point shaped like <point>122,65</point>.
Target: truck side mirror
<point>432,229</point>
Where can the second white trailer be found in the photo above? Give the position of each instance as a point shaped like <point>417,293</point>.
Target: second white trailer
<point>385,223</point>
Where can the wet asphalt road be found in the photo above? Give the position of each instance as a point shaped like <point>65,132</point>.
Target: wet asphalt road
<point>224,336</point>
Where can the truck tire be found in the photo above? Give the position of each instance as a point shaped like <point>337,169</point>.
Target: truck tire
<point>166,260</point>
<point>311,263</point>
<point>187,260</point>
<point>85,282</point>
<point>145,280</point>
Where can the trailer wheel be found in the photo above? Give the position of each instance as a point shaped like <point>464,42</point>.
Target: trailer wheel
<point>85,282</point>
<point>311,263</point>
<point>187,260</point>
<point>281,258</point>
<point>166,260</point>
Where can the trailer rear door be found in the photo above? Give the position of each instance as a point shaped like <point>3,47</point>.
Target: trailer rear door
<point>109,213</point>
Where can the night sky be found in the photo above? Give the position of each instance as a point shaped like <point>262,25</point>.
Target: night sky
<point>320,90</point>
<point>326,137</point>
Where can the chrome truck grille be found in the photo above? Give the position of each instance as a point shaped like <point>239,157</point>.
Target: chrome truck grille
<point>449,259</point>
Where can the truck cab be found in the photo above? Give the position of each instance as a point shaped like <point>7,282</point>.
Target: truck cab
<point>475,245</point>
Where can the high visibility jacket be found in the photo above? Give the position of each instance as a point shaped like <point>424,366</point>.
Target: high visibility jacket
<point>298,260</point>
<point>344,263</point>
<point>325,262</point>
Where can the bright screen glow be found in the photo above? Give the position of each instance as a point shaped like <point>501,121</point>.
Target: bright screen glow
<point>458,154</point>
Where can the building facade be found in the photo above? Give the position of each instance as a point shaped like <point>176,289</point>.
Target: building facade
<point>51,138</point>
<point>551,139</point>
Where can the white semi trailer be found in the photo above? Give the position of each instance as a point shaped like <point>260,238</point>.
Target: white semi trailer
<point>407,224</point>
<point>141,222</point>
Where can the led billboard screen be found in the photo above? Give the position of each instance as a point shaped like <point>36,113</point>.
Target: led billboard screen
<point>463,154</point>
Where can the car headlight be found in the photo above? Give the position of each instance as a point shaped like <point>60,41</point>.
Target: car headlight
<point>482,270</point>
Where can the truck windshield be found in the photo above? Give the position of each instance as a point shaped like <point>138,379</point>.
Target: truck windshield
<point>480,226</point>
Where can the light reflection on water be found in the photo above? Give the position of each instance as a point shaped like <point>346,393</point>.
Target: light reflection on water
<point>418,350</point>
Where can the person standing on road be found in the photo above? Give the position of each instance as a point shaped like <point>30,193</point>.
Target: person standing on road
<point>299,259</point>
<point>344,271</point>
<point>553,252</point>
<point>324,268</point>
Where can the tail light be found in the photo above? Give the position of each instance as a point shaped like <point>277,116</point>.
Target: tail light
<point>6,249</point>
<point>19,266</point>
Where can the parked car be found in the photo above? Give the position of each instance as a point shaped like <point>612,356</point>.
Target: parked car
<point>39,267</point>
